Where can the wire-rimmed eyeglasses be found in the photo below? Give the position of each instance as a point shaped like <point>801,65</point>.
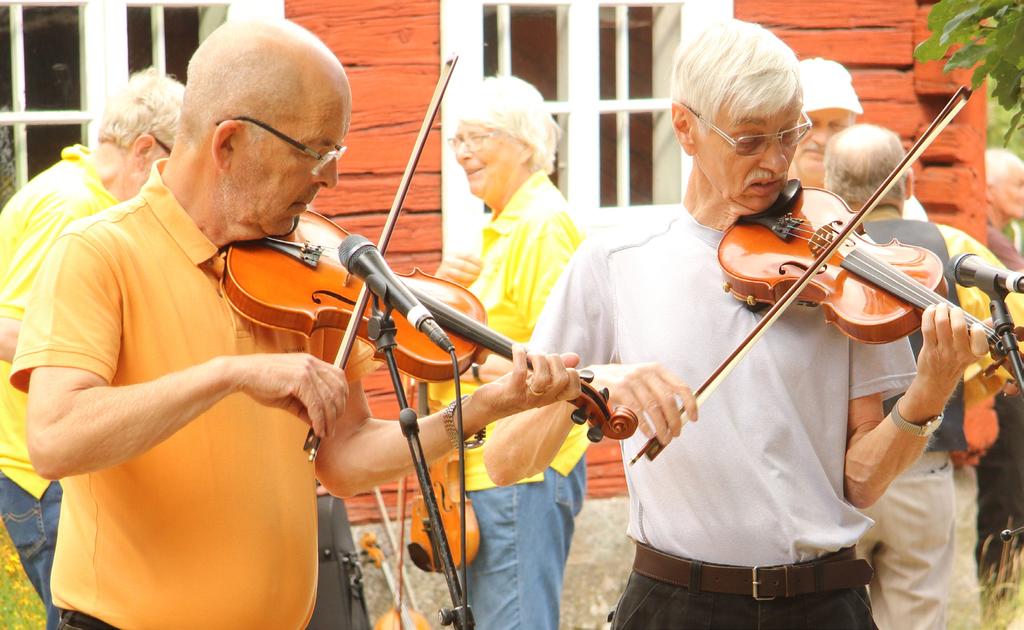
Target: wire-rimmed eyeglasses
<point>472,141</point>
<point>322,159</point>
<point>753,145</point>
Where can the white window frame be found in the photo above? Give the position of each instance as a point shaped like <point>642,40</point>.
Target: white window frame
<point>104,59</point>
<point>462,33</point>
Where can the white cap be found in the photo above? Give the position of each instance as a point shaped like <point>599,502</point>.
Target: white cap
<point>827,85</point>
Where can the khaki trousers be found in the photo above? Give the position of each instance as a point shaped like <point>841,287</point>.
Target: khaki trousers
<point>911,547</point>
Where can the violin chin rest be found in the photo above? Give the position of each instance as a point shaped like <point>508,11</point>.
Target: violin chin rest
<point>420,557</point>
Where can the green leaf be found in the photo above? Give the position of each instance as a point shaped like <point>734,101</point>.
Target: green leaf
<point>1014,49</point>
<point>1014,122</point>
<point>942,13</point>
<point>968,56</point>
<point>958,29</point>
<point>939,16</point>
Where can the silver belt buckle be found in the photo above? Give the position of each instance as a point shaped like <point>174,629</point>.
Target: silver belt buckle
<point>754,583</point>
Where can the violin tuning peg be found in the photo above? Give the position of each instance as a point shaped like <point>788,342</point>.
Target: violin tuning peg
<point>578,416</point>
<point>587,376</point>
<point>605,393</point>
<point>594,434</point>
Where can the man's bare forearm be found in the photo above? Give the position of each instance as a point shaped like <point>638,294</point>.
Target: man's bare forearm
<point>877,458</point>
<point>525,444</point>
<point>101,426</point>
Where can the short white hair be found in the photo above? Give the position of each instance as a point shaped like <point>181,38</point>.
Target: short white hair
<point>149,103</point>
<point>999,163</point>
<point>737,67</point>
<point>514,107</point>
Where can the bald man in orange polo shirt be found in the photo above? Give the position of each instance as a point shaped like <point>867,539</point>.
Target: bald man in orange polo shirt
<point>187,500</point>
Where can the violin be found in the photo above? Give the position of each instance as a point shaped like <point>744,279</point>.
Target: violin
<point>296,283</point>
<point>444,476</point>
<point>397,617</point>
<point>873,293</point>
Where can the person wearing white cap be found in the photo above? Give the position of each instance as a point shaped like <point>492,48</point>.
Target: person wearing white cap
<point>832,105</point>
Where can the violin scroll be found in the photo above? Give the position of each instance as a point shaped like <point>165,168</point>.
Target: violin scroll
<point>592,406</point>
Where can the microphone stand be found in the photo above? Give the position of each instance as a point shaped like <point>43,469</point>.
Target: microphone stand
<point>1003,325</point>
<point>382,330</point>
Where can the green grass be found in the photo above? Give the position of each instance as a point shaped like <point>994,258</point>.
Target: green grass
<point>20,606</point>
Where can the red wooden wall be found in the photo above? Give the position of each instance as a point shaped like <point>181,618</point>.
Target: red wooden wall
<point>391,51</point>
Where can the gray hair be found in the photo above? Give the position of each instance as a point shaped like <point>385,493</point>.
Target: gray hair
<point>858,159</point>
<point>149,103</point>
<point>514,107</point>
<point>735,65</point>
<point>999,163</point>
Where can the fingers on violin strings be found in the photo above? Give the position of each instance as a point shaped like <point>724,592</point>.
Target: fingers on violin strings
<point>540,379</point>
<point>928,335</point>
<point>519,366</point>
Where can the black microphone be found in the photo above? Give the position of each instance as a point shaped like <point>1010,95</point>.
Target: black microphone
<point>364,261</point>
<point>971,270</point>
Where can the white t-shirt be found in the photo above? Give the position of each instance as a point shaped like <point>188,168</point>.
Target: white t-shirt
<point>759,479</point>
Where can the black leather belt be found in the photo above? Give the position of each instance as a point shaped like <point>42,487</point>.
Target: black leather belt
<point>74,620</point>
<point>837,571</point>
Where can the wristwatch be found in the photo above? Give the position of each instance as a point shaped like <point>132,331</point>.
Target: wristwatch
<point>920,430</point>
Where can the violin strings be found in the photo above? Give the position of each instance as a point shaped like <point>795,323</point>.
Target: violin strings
<point>881,273</point>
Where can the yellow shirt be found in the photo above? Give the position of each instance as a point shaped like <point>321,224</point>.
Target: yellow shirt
<point>974,301</point>
<point>215,527</point>
<point>29,224</point>
<point>525,249</point>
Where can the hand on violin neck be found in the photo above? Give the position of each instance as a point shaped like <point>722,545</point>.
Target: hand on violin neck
<point>948,348</point>
<point>312,389</point>
<point>651,390</point>
<point>552,379</point>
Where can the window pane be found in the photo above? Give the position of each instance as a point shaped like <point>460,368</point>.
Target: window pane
<point>609,162</point>
<point>639,159</point>
<point>640,52</point>
<point>140,38</point>
<point>7,172</point>
<point>535,48</point>
<point>52,64</point>
<point>45,143</point>
<point>181,38</point>
<point>6,84</point>
<point>606,63</point>
<point>490,41</point>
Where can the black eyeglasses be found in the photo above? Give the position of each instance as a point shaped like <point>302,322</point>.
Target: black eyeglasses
<point>753,145</point>
<point>322,159</point>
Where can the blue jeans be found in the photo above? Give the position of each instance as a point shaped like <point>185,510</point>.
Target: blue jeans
<point>32,526</point>
<point>515,581</point>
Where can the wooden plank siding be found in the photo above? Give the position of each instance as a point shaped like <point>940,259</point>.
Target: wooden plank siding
<point>391,52</point>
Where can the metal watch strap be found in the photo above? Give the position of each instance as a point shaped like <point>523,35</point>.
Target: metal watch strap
<point>920,430</point>
<point>448,415</point>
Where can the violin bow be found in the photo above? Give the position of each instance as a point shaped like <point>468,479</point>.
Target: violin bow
<point>312,443</point>
<point>653,447</point>
<point>458,591</point>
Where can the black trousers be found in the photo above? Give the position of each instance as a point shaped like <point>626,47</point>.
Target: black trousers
<point>649,604</point>
<point>1001,485</point>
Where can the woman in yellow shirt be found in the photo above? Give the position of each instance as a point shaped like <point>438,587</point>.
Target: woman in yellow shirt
<point>506,142</point>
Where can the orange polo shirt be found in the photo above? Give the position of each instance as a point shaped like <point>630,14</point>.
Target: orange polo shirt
<point>216,526</point>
